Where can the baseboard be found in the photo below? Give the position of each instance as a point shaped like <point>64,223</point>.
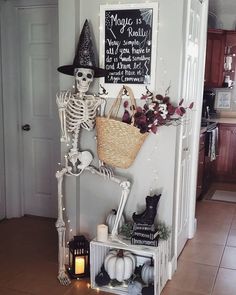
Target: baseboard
<point>192,229</point>
<point>172,267</point>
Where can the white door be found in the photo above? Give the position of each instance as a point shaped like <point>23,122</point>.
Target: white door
<point>38,50</point>
<point>191,88</point>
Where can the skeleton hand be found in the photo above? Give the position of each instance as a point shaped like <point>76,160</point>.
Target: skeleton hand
<point>63,278</point>
<point>106,171</point>
<point>63,98</point>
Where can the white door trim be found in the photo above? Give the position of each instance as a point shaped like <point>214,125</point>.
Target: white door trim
<point>11,102</point>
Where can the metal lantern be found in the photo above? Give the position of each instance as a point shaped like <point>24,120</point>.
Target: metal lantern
<point>78,257</point>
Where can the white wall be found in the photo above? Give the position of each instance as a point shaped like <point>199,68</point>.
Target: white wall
<point>157,156</point>
<point>11,108</point>
<point>2,168</point>
<point>228,20</point>
<point>225,12</point>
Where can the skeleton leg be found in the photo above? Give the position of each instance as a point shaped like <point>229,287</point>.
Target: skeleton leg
<point>60,225</point>
<point>125,185</point>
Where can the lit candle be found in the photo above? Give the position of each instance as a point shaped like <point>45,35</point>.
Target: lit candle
<point>102,233</point>
<point>79,265</point>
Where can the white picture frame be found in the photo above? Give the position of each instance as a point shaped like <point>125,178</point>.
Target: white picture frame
<point>223,99</point>
<point>139,22</point>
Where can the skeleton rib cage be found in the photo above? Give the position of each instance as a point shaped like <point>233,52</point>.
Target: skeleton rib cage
<point>81,113</point>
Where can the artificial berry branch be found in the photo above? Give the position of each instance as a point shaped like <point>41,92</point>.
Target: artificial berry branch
<point>157,111</point>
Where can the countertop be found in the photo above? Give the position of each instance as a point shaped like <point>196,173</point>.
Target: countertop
<point>222,120</point>
<point>203,130</point>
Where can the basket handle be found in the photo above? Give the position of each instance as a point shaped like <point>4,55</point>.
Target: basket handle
<point>117,102</point>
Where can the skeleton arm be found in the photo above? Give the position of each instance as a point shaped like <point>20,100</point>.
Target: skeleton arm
<point>62,100</point>
<point>105,170</point>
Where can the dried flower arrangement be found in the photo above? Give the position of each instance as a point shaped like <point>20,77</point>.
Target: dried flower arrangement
<point>157,111</point>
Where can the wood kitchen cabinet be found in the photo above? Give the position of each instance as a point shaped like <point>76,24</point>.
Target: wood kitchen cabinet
<point>230,52</point>
<point>216,42</point>
<point>226,160</point>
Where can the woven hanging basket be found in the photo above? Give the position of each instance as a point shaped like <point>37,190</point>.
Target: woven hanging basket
<point>118,143</point>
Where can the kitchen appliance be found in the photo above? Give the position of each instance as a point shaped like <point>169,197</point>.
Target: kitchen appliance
<point>211,141</point>
<point>208,105</point>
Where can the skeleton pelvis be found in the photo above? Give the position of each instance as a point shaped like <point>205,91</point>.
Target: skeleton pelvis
<point>79,160</point>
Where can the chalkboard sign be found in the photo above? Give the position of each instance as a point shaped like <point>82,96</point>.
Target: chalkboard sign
<point>129,43</point>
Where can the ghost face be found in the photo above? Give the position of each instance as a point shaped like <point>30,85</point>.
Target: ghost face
<point>83,79</point>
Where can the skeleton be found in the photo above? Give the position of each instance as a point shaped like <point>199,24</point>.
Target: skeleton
<point>78,110</point>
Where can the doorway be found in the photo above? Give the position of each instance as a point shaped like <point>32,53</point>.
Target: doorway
<point>218,164</point>
<point>32,146</point>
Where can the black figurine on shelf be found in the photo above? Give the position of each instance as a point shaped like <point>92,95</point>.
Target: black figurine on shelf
<point>144,231</point>
<point>149,214</point>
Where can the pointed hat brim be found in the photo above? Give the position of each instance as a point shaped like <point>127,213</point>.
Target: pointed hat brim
<point>69,70</point>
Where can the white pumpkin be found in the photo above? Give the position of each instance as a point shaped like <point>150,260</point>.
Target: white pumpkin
<point>119,265</point>
<point>147,273</point>
<point>110,220</point>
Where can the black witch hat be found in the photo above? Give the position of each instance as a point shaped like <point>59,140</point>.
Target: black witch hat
<point>85,56</point>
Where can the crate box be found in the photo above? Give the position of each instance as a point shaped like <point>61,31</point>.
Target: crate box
<point>99,250</point>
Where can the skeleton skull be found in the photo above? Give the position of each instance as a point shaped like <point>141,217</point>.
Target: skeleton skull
<point>83,79</point>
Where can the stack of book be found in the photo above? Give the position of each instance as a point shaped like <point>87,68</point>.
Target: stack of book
<point>144,234</point>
